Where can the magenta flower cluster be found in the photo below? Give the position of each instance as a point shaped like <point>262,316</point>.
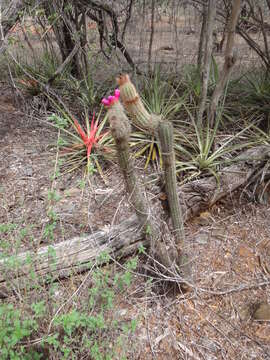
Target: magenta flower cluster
<point>112,98</point>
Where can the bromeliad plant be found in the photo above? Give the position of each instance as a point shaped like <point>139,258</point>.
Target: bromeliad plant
<point>89,137</point>
<point>87,145</point>
<point>253,96</point>
<point>192,80</point>
<point>206,152</point>
<point>160,96</point>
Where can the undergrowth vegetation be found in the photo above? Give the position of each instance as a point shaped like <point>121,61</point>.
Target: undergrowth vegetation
<point>45,323</point>
<point>173,97</point>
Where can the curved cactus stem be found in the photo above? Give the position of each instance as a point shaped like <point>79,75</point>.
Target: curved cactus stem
<point>133,104</point>
<point>120,129</point>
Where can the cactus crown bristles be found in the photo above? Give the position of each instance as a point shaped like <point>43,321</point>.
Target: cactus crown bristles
<point>133,103</point>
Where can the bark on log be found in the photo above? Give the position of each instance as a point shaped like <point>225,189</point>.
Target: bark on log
<point>199,195</point>
<point>71,256</point>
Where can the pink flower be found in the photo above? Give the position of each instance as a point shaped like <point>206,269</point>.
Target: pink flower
<point>111,98</point>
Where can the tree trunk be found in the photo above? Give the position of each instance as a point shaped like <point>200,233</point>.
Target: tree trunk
<point>68,33</point>
<point>201,46</point>
<point>205,71</point>
<point>229,62</point>
<point>10,15</point>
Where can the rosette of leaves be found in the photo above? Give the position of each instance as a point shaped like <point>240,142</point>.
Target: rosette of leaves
<point>86,145</point>
<point>203,151</point>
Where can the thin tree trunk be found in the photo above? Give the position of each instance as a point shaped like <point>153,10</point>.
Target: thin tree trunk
<point>265,37</point>
<point>200,56</point>
<point>61,68</point>
<point>230,59</point>
<point>151,35</point>
<point>66,34</point>
<point>211,14</point>
<point>9,15</point>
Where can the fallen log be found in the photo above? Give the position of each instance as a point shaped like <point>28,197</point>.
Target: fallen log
<point>70,256</point>
<point>79,254</point>
<point>201,194</point>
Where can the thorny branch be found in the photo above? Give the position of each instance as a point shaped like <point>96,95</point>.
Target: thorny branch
<point>112,40</point>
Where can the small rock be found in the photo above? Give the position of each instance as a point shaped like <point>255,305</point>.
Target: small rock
<point>122,312</point>
<point>202,238</point>
<point>28,171</point>
<point>73,192</point>
<point>262,312</point>
<point>255,311</point>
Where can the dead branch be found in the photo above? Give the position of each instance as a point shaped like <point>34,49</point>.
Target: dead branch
<point>101,9</point>
<point>61,68</point>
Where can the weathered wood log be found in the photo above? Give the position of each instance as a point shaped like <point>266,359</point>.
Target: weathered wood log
<point>200,194</point>
<point>70,256</point>
<point>75,255</point>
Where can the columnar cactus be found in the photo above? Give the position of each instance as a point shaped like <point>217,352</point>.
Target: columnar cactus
<point>121,129</point>
<point>134,105</point>
<point>165,131</point>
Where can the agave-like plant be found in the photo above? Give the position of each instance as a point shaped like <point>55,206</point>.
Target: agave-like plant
<point>192,80</point>
<point>161,97</point>
<point>207,151</point>
<point>146,145</point>
<point>254,88</point>
<point>41,69</point>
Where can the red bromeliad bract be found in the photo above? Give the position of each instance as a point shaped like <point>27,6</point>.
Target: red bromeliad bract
<point>89,138</point>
